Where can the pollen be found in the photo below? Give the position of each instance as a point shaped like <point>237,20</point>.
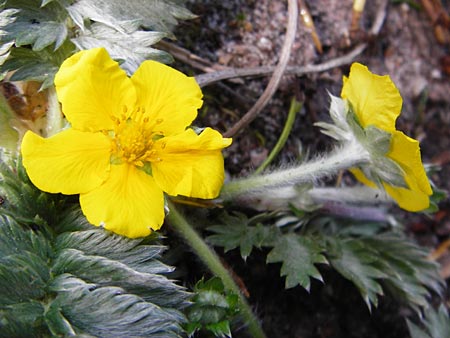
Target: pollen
<point>134,137</point>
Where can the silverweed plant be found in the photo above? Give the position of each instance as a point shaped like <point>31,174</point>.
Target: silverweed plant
<point>95,184</point>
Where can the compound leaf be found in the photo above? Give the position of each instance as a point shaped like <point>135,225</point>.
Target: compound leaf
<point>436,324</point>
<point>60,276</point>
<point>386,261</point>
<point>298,255</point>
<point>238,232</point>
<point>355,262</point>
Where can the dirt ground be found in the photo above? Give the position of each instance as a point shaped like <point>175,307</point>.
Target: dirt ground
<point>250,33</point>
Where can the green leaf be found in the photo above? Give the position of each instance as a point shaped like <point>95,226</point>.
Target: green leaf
<point>129,16</point>
<point>61,276</point>
<point>298,255</point>
<point>130,48</point>
<point>410,274</point>
<point>111,311</point>
<point>36,33</point>
<point>385,261</point>
<point>237,232</point>
<point>212,309</point>
<point>22,320</point>
<point>355,262</point>
<point>38,66</point>
<point>24,202</point>
<point>34,25</point>
<point>436,324</point>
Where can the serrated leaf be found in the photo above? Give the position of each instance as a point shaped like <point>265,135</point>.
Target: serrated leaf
<point>129,16</point>
<point>106,311</point>
<point>220,329</point>
<point>34,25</point>
<point>38,66</point>
<point>298,255</point>
<point>103,257</point>
<point>236,232</point>
<point>386,261</point>
<point>212,308</point>
<point>22,320</point>
<point>408,270</point>
<point>436,324</point>
<point>126,29</point>
<point>63,277</point>
<point>355,262</point>
<point>131,48</point>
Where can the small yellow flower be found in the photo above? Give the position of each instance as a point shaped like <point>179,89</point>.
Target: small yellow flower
<point>127,144</point>
<point>376,102</point>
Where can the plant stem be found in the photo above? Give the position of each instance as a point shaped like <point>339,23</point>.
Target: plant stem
<point>347,156</point>
<point>212,261</point>
<point>293,110</point>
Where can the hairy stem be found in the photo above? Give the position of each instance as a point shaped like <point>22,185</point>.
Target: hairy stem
<point>347,156</point>
<point>212,261</point>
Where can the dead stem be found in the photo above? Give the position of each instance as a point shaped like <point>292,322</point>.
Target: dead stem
<point>210,78</point>
<point>230,73</point>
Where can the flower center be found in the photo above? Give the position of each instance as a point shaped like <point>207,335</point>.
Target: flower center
<point>134,136</point>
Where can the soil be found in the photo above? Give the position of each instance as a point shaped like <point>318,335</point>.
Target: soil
<point>250,33</point>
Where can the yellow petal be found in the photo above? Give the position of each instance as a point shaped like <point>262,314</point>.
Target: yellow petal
<point>406,152</point>
<point>375,99</point>
<point>167,96</point>
<point>92,88</point>
<point>408,199</point>
<point>191,165</point>
<point>128,203</point>
<point>70,162</point>
<point>359,175</point>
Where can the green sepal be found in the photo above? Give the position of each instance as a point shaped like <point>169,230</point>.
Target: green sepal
<point>339,129</point>
<point>377,141</point>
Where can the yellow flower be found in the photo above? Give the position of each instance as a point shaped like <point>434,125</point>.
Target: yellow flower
<point>127,144</point>
<point>376,102</point>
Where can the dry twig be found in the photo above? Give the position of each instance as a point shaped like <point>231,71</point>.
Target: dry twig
<point>309,23</point>
<point>277,72</point>
<point>230,73</point>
